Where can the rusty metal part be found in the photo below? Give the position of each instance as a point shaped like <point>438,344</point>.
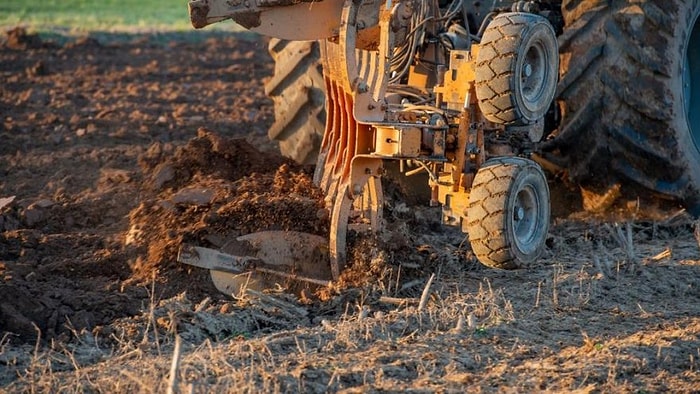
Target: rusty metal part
<point>476,147</point>
<point>279,248</point>
<point>356,83</point>
<point>394,142</point>
<point>285,255</point>
<point>456,89</point>
<point>460,164</point>
<point>230,282</point>
<point>470,154</point>
<point>369,188</point>
<point>213,259</point>
<point>287,19</point>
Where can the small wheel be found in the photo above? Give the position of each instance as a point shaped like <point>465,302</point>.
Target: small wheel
<point>508,212</point>
<point>516,68</point>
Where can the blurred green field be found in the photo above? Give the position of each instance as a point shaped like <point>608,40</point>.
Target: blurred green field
<point>75,16</point>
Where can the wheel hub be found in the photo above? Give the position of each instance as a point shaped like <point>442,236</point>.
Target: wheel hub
<point>533,74</point>
<point>525,218</point>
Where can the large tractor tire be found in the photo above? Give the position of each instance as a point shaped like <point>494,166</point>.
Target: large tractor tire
<point>297,89</point>
<point>629,95</point>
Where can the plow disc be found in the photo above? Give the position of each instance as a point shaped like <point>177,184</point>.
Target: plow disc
<point>263,260</point>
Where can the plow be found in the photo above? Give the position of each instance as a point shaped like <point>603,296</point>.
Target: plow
<point>460,91</point>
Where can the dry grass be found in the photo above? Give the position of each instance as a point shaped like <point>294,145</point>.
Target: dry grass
<point>611,309</point>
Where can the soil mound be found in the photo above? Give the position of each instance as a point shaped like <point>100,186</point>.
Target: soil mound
<point>211,190</point>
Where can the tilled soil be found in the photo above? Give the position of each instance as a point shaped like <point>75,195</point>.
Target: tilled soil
<point>115,152</point>
<point>92,135</point>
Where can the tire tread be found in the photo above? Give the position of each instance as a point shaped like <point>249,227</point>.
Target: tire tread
<point>297,89</point>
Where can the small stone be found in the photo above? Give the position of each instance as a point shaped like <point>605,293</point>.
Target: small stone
<point>115,175</point>
<point>193,196</point>
<point>322,214</point>
<point>164,173</point>
<point>167,205</point>
<point>33,215</point>
<point>43,203</point>
<point>162,120</point>
<point>80,132</point>
<point>4,201</point>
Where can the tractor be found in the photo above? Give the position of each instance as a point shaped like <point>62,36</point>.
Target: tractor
<point>478,96</point>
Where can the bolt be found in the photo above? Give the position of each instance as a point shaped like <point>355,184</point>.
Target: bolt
<point>360,86</point>
<point>527,70</point>
<point>518,213</point>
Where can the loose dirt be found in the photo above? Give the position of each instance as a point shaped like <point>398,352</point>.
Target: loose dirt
<point>94,144</point>
<point>114,151</point>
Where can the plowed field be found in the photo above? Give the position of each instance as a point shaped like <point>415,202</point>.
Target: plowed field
<point>114,152</point>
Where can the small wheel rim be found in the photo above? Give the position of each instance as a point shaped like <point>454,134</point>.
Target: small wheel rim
<point>533,75</point>
<point>691,82</point>
<point>525,217</point>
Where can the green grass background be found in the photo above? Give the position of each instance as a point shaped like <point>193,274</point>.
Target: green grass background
<point>100,15</point>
